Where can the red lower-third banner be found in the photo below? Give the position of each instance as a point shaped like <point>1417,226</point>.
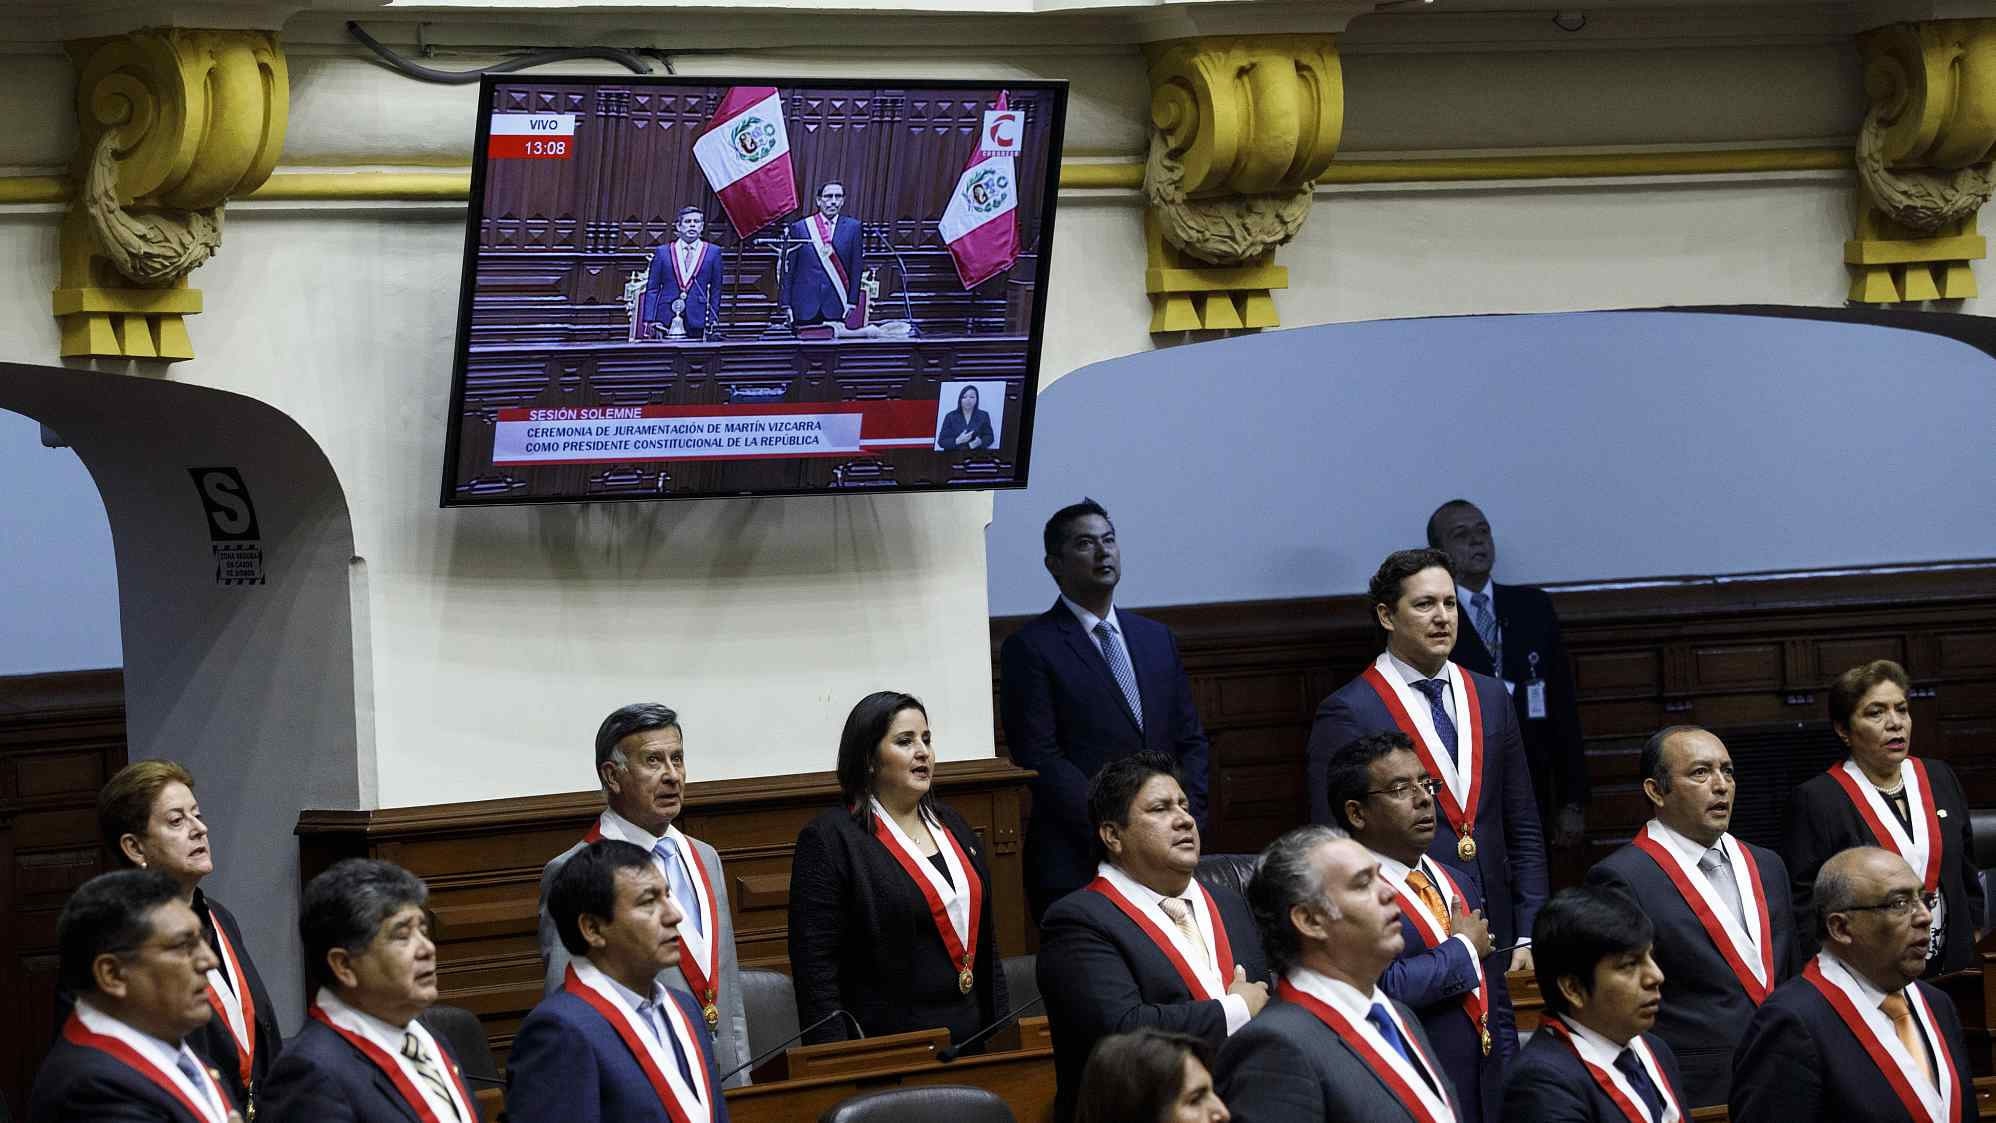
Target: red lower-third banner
<point>624,434</point>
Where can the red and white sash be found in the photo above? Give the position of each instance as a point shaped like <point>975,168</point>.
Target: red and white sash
<point>1615,1084</point>
<point>392,1069</point>
<point>684,1103</point>
<point>1925,1098</point>
<point>1749,951</point>
<point>1420,1097</point>
<point>956,905</point>
<point>234,1005</point>
<point>1207,980</point>
<point>1922,848</point>
<point>699,952</point>
<point>211,1108</point>
<point>1475,1003</point>
<point>679,272</point>
<point>820,232</point>
<point>1459,766</point>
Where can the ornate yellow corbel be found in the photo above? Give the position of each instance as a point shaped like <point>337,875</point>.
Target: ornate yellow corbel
<point>1240,130</point>
<point>1923,160</point>
<point>173,123</point>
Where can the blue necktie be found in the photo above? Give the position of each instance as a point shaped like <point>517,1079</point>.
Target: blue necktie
<point>1383,1021</point>
<point>680,884</point>
<point>191,1068</point>
<point>1486,627</point>
<point>1119,666</point>
<point>1435,688</point>
<point>1639,1080</point>
<point>655,1017</point>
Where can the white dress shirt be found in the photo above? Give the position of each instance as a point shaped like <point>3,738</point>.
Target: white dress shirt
<point>388,1038</point>
<point>165,1055</point>
<point>1410,675</point>
<point>1151,901</point>
<point>616,826</point>
<point>1089,620</point>
<point>632,1000</point>
<point>1593,1047</point>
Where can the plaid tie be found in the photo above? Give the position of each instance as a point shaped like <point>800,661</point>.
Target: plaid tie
<point>1486,626</point>
<point>426,1067</point>
<point>1119,666</point>
<point>1435,689</point>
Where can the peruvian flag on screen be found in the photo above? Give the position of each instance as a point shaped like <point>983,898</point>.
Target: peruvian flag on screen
<point>981,224</point>
<point>745,154</point>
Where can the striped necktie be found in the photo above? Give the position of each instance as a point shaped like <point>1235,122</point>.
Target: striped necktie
<point>426,1067</point>
<point>1119,666</point>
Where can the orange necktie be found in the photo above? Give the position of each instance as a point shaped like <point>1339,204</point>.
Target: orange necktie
<point>1901,1013</point>
<point>1425,890</point>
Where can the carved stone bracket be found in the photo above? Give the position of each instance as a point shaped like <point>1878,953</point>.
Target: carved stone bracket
<point>172,124</point>
<point>1924,160</point>
<point>1240,130</point>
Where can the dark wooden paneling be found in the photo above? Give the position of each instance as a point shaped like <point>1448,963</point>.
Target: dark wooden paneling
<point>1747,656</point>
<point>61,737</point>
<point>483,862</point>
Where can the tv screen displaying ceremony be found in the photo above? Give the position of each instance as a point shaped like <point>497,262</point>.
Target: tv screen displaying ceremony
<point>679,288</point>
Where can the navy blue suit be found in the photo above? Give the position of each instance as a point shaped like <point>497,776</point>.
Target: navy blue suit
<point>807,292</point>
<point>1431,982</point>
<point>702,291</point>
<point>568,1065</point>
<point>77,1082</point>
<point>323,1078</point>
<point>1065,718</point>
<point>1705,1008</point>
<point>1799,1063</point>
<point>1509,870</point>
<point>1549,1084</point>
<point>1102,975</point>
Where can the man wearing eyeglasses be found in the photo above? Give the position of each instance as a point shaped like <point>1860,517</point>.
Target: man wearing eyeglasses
<point>1725,935</point>
<point>1380,792</point>
<point>1857,1037</point>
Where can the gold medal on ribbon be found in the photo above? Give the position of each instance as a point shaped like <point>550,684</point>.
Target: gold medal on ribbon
<point>713,1015</point>
<point>965,980</point>
<point>1483,1033</point>
<point>1465,848</point>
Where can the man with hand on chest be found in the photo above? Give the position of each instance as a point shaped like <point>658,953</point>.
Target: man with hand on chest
<point>1725,937</point>
<point>1382,795</point>
<point>613,1045</point>
<point>641,764</point>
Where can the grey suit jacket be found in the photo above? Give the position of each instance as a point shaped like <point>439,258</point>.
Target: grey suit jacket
<point>731,1046</point>
<point>1285,1066</point>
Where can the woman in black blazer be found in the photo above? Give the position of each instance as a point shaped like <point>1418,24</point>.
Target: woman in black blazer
<point>882,890</point>
<point>1876,798</point>
<point>150,820</point>
<point>966,427</point>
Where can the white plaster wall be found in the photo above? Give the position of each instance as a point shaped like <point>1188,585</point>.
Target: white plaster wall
<point>497,639</point>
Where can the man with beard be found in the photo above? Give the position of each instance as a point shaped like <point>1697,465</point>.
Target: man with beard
<point>1462,729</point>
<point>1725,937</point>
<point>1857,1038</point>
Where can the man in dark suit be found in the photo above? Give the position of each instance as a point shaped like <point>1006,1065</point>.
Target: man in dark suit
<point>1592,1059</point>
<point>1381,794</point>
<point>1465,733</point>
<point>1857,1038</point>
<point>1332,1048</point>
<point>685,279</point>
<point>827,260</point>
<point>1725,937</point>
<point>641,764</point>
<point>131,954</point>
<point>362,1056</point>
<point>613,1045</point>
<point>1145,945</point>
<point>1513,636</point>
<point>1081,685</point>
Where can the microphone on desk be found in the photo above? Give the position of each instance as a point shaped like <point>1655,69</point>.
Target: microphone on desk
<point>792,1040</point>
<point>1524,943</point>
<point>950,1052</point>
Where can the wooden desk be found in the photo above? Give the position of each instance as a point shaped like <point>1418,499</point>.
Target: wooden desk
<point>1985,1104</point>
<point>1023,1078</point>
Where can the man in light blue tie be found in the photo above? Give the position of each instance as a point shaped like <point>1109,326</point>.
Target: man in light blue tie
<point>1083,684</point>
<point>641,765</point>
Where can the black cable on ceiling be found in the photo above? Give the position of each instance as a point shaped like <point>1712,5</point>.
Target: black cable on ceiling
<point>628,59</point>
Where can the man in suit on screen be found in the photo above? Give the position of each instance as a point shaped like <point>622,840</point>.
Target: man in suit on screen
<point>821,278</point>
<point>1725,936</point>
<point>1463,729</point>
<point>641,763</point>
<point>1857,1037</point>
<point>1513,636</point>
<point>685,280</point>
<point>1081,685</point>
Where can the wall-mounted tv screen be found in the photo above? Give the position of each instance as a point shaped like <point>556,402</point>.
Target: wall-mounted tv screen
<point>697,287</point>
